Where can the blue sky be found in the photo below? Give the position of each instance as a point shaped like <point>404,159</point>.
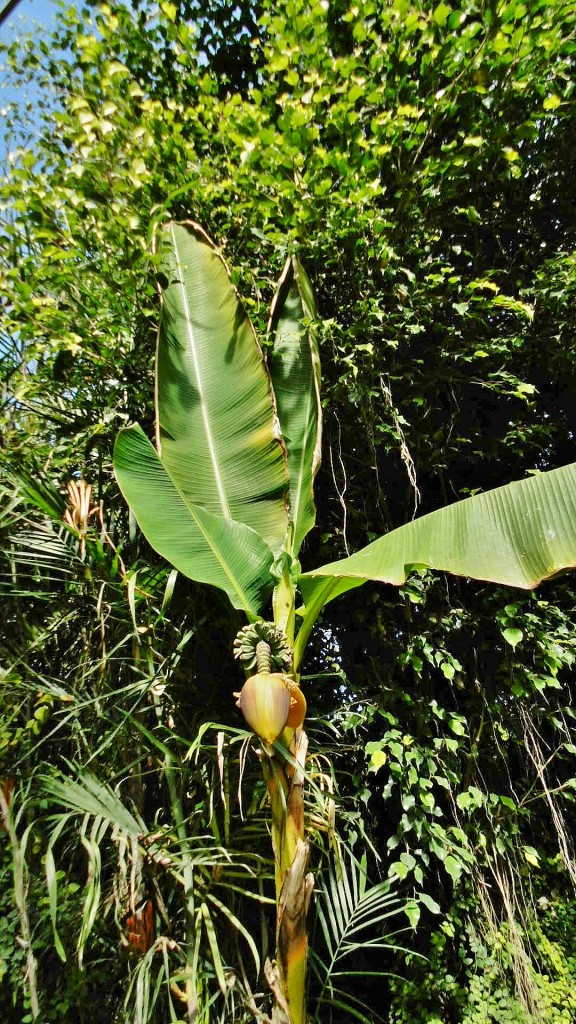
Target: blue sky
<point>29,16</point>
<point>25,16</point>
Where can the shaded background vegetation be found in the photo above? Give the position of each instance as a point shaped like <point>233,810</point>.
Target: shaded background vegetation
<point>420,159</point>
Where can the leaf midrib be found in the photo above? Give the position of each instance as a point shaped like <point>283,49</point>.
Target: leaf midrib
<point>215,550</point>
<point>247,604</point>
<point>303,453</point>
<point>207,426</point>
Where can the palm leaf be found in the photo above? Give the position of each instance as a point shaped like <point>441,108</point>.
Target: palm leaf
<point>295,370</point>
<point>52,885</point>
<point>36,556</point>
<point>218,433</point>
<point>204,914</point>
<point>203,546</point>
<point>237,924</point>
<point>86,795</point>
<point>93,888</point>
<point>517,535</point>
<point>40,492</point>
<point>102,810</point>
<point>347,910</point>
<point>142,994</point>
<point>39,559</point>
<point>351,1005</point>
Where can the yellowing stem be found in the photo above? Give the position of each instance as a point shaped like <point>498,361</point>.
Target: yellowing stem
<point>294,885</point>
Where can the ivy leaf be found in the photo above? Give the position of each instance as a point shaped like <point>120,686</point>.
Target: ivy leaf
<point>441,14</point>
<point>377,760</point>
<point>552,102</point>
<point>453,867</point>
<point>398,870</point>
<point>512,636</point>
<point>429,903</point>
<point>412,911</point>
<point>531,855</point>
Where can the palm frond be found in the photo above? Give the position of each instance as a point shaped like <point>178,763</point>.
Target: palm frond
<point>91,840</point>
<point>237,924</point>
<point>357,1010</point>
<point>182,852</point>
<point>38,558</point>
<point>351,916</point>
<point>86,795</point>
<point>38,491</point>
<point>150,977</point>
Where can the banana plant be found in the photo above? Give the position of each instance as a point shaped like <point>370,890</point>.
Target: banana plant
<point>226,495</point>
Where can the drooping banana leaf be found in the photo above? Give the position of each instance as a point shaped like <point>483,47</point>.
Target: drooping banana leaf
<point>205,547</point>
<point>517,535</point>
<point>295,370</point>
<point>217,429</point>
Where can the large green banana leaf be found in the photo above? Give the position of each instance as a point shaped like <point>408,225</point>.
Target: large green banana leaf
<point>218,433</point>
<point>203,546</point>
<point>517,535</point>
<point>295,370</point>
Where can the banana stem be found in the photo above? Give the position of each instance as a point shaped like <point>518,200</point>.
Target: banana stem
<point>287,975</point>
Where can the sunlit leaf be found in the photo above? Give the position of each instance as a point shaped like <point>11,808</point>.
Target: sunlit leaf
<point>203,546</point>
<point>295,371</point>
<point>518,535</point>
<point>512,636</point>
<point>218,434</point>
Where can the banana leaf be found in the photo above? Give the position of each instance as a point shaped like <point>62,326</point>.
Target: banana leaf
<point>295,371</point>
<point>217,430</point>
<point>203,546</point>
<point>517,535</point>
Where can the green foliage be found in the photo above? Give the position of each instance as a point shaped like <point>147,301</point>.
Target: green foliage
<point>482,987</point>
<point>418,158</point>
<point>349,915</point>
